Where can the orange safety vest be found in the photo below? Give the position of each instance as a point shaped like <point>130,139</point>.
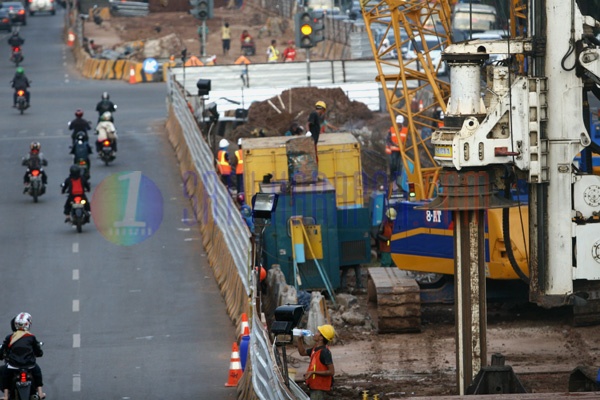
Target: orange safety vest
<point>222,163</point>
<point>394,138</point>
<point>318,382</point>
<point>239,168</point>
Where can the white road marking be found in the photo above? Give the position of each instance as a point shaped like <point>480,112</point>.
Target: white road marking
<point>76,383</point>
<point>75,274</point>
<point>76,340</point>
<point>75,247</point>
<point>75,305</point>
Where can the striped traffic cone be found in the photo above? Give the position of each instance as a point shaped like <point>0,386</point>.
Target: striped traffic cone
<point>235,367</point>
<point>132,75</point>
<point>244,324</point>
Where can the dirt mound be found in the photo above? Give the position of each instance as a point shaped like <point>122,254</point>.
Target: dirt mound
<point>274,116</point>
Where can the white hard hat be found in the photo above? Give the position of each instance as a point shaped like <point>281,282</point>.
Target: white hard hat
<point>441,115</point>
<point>224,143</point>
<point>399,119</point>
<point>308,134</point>
<point>239,141</point>
<point>391,213</point>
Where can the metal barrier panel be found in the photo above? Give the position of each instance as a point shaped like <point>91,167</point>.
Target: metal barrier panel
<point>267,380</point>
<point>221,205</point>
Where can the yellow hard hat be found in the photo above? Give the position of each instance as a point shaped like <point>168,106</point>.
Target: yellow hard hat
<point>321,104</point>
<point>391,213</point>
<point>327,331</point>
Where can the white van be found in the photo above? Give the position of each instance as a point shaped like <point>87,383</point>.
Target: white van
<point>41,6</point>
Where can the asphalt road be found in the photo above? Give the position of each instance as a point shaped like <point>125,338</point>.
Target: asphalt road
<point>119,320</point>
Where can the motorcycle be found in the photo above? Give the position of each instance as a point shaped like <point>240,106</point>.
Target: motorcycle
<point>79,215</point>
<point>21,385</point>
<point>84,166</point>
<point>22,104</point>
<point>107,153</point>
<point>16,55</point>
<point>36,188</point>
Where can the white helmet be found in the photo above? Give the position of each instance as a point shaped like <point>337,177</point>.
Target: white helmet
<point>309,134</point>
<point>223,143</point>
<point>391,214</point>
<point>23,321</point>
<point>239,141</point>
<point>441,115</point>
<point>399,119</point>
<point>106,116</point>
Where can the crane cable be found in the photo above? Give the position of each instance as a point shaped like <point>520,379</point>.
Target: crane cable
<point>571,49</point>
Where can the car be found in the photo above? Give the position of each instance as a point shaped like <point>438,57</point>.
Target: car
<point>435,47</point>
<point>5,22</point>
<point>16,11</point>
<point>41,6</point>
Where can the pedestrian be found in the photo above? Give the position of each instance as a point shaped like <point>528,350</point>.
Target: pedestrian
<point>289,54</point>
<point>320,372</point>
<point>226,37</point>
<point>316,119</point>
<point>239,167</point>
<point>384,236</point>
<point>272,52</point>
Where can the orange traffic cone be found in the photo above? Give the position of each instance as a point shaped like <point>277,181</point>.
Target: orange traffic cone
<point>235,367</point>
<point>70,38</point>
<point>244,323</point>
<point>132,75</point>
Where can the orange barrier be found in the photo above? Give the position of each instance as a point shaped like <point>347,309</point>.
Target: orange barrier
<point>235,367</point>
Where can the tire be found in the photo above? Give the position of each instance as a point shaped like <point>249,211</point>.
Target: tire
<point>22,110</point>
<point>35,197</point>
<point>53,12</point>
<point>31,13</point>
<point>79,226</point>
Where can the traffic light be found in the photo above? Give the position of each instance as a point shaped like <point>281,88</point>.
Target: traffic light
<point>304,30</point>
<point>318,26</point>
<point>201,9</point>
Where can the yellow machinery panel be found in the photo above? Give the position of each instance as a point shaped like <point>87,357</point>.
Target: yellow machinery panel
<point>316,242</point>
<point>339,161</point>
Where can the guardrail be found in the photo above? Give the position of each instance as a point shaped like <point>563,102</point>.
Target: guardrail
<point>129,8</point>
<point>227,241</point>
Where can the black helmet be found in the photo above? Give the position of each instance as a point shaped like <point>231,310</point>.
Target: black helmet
<point>105,96</point>
<point>74,171</point>
<point>79,113</point>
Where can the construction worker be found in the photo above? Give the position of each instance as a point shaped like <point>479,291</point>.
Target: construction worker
<point>392,146</point>
<point>239,167</point>
<point>315,120</point>
<point>384,236</point>
<point>320,372</point>
<point>272,52</point>
<point>223,163</point>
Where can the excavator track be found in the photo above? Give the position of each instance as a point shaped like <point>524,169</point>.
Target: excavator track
<point>588,313</point>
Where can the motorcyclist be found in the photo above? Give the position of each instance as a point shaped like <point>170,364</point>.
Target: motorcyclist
<point>75,185</point>
<point>82,150</point>
<point>15,40</point>
<point>79,125</point>
<point>106,130</point>
<point>20,350</point>
<point>20,82</point>
<point>34,160</point>
<point>105,105</point>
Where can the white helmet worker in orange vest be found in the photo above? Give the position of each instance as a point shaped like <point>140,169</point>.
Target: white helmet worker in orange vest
<point>223,162</point>
<point>239,168</point>
<point>392,146</point>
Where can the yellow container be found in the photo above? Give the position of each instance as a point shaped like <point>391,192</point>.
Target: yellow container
<point>339,162</point>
